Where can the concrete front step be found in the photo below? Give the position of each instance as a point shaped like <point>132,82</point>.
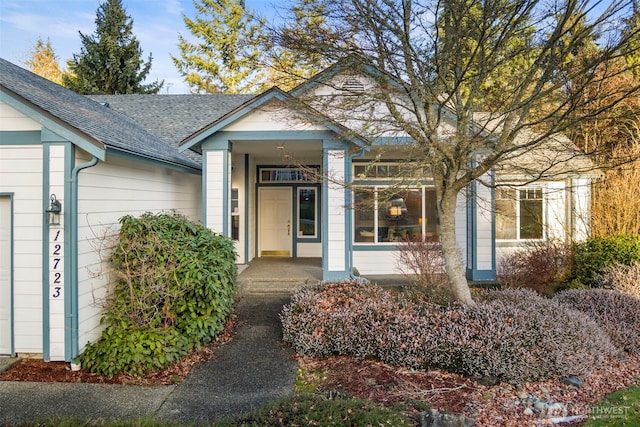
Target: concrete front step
<point>273,286</point>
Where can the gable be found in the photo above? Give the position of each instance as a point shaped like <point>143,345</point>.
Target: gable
<point>13,120</point>
<point>274,115</point>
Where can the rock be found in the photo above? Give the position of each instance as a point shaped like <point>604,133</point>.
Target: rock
<point>540,406</point>
<point>487,380</point>
<point>522,395</point>
<point>573,380</point>
<point>434,418</point>
<point>557,409</point>
<point>528,411</point>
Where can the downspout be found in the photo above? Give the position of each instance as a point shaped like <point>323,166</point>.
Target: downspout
<point>72,338</point>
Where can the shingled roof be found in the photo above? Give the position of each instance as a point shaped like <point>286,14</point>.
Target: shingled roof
<point>103,127</point>
<point>172,118</point>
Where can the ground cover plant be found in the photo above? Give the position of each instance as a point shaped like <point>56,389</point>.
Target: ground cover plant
<point>617,313</point>
<point>512,335</point>
<point>173,290</point>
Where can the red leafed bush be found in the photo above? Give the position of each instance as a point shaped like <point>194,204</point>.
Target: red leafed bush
<point>617,313</point>
<point>514,335</point>
<point>542,266</point>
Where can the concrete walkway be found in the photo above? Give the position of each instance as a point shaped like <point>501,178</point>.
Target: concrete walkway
<point>253,369</point>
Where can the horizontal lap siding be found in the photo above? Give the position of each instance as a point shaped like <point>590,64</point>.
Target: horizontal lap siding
<point>376,262</point>
<point>21,174</point>
<point>107,192</point>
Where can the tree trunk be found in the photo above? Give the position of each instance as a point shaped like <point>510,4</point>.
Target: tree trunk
<point>454,264</point>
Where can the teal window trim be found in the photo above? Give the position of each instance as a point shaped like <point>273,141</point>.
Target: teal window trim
<point>12,332</point>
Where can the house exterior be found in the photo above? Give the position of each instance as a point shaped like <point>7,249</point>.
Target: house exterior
<point>279,179</point>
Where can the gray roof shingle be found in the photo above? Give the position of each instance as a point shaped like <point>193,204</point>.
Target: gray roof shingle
<point>172,118</point>
<point>88,117</point>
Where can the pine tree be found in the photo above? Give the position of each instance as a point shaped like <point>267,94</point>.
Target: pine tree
<point>43,61</point>
<point>227,57</point>
<point>287,67</point>
<point>110,60</point>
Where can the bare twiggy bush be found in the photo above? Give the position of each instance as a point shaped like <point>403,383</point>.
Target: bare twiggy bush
<point>421,262</point>
<point>541,266</point>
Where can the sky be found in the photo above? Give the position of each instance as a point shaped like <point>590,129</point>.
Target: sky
<point>156,24</point>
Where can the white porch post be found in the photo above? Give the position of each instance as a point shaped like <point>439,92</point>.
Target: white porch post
<point>217,188</point>
<point>335,255</point>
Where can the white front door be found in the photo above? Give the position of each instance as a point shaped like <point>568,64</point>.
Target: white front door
<point>274,221</point>
<point>5,275</point>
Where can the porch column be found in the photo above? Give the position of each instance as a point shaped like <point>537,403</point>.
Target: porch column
<point>217,186</point>
<point>481,247</point>
<point>336,259</point>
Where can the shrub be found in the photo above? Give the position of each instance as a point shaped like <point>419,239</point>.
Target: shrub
<point>622,278</point>
<point>421,262</point>
<point>514,335</point>
<point>617,313</point>
<point>174,286</point>
<point>541,266</point>
<point>593,255</point>
<point>517,335</point>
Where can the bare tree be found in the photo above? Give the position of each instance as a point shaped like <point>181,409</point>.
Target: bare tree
<point>500,74</point>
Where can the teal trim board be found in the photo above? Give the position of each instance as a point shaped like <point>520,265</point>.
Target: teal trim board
<point>246,209</point>
<point>27,137</point>
<point>10,196</point>
<point>46,352</point>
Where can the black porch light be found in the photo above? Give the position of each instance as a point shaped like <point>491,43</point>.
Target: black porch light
<point>53,213</point>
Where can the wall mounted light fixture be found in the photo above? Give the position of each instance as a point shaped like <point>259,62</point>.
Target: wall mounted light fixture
<point>53,213</point>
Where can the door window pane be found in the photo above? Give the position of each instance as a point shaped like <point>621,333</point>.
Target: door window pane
<point>307,208</point>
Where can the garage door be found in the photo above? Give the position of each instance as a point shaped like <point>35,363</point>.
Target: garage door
<point>5,274</point>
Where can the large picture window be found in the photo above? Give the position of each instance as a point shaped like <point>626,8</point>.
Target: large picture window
<point>519,214</point>
<point>383,215</point>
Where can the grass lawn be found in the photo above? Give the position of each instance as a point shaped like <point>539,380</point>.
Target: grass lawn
<point>621,408</point>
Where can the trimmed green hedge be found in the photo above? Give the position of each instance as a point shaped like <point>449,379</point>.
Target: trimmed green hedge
<point>596,253</point>
<point>174,289</point>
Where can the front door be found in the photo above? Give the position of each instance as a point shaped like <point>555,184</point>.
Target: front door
<point>274,221</point>
<point>5,275</point>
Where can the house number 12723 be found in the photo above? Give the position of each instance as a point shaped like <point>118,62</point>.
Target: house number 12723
<point>56,263</point>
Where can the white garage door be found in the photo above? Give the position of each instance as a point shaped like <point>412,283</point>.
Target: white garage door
<point>5,275</point>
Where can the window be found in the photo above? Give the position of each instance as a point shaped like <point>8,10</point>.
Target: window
<point>289,174</point>
<point>519,214</point>
<point>235,215</point>
<point>386,170</point>
<point>307,208</point>
<point>384,215</point>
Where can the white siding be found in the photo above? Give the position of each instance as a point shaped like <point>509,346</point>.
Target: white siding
<point>336,211</point>
<point>272,117</point>
<point>21,174</point>
<point>555,196</point>
<point>484,230</point>
<point>238,182</point>
<point>461,225</point>
<point>13,120</point>
<point>106,192</point>
<point>376,262</point>
<point>581,209</point>
<point>309,250</point>
<point>215,189</point>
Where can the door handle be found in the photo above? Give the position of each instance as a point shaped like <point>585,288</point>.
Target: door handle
<point>288,227</point>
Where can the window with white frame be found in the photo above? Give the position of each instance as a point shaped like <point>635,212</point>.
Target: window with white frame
<point>388,214</point>
<point>519,213</point>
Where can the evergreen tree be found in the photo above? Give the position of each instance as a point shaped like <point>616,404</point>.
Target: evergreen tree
<point>227,58</point>
<point>288,68</point>
<point>43,61</point>
<point>110,60</point>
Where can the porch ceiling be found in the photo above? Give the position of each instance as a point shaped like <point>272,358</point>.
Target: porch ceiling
<point>299,149</point>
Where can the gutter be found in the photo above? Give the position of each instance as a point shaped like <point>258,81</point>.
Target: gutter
<point>71,321</point>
